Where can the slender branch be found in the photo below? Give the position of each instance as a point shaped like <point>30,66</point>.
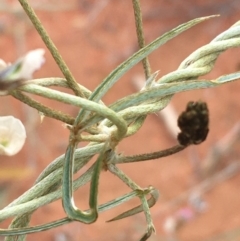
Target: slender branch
<point>58,115</point>
<point>94,138</point>
<point>52,48</point>
<point>117,73</point>
<point>103,207</point>
<point>57,81</point>
<point>140,35</point>
<point>85,104</point>
<point>148,156</point>
<point>145,204</point>
<point>168,89</point>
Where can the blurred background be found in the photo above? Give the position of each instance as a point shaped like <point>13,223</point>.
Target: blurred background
<point>199,187</point>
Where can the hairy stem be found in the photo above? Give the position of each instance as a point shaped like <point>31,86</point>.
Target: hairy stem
<point>140,35</point>
<point>52,48</point>
<point>58,115</point>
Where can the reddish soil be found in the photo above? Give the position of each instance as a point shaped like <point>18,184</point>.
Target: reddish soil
<point>93,39</point>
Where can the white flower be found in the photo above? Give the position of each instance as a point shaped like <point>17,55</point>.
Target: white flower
<point>3,65</point>
<point>31,62</point>
<point>12,76</point>
<point>24,67</point>
<point>12,135</point>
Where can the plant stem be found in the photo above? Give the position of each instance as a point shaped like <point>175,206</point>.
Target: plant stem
<point>58,115</point>
<point>140,35</point>
<point>149,156</point>
<point>52,48</point>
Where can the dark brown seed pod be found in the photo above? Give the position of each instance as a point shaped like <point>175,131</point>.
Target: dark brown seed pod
<point>193,123</point>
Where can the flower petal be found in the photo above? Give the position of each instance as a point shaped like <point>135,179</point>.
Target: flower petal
<point>12,76</point>
<point>12,135</point>
<point>32,61</point>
